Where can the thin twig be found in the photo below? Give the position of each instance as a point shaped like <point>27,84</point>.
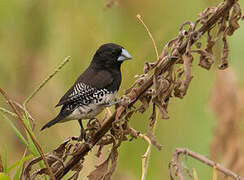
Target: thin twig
<point>22,108</point>
<point>60,66</point>
<point>178,151</point>
<point>194,173</point>
<point>8,112</point>
<point>145,157</point>
<point>149,33</point>
<point>29,132</point>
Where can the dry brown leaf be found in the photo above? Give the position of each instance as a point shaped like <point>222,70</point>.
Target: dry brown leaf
<point>113,158</point>
<point>148,67</point>
<point>204,16</point>
<point>162,109</point>
<point>206,58</point>
<point>100,171</point>
<point>224,55</point>
<point>234,18</point>
<point>166,48</point>
<point>150,133</point>
<point>187,70</point>
<point>145,100</point>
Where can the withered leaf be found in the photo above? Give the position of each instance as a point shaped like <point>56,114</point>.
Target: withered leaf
<point>166,48</point>
<point>148,67</point>
<point>150,133</point>
<point>190,24</point>
<point>151,136</point>
<point>205,58</point>
<point>187,69</point>
<point>162,110</point>
<point>224,55</point>
<point>113,158</point>
<point>99,151</point>
<point>206,13</point>
<point>100,171</point>
<point>234,18</point>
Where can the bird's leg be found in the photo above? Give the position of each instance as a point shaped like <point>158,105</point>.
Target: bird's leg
<point>82,131</point>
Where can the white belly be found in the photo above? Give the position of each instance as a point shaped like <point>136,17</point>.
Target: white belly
<point>91,110</point>
<point>87,112</point>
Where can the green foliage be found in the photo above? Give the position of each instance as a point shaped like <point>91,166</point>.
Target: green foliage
<point>16,131</point>
<point>18,163</point>
<point>29,142</point>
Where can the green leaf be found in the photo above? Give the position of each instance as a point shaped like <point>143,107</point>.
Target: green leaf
<point>32,146</point>
<point>8,112</point>
<point>16,131</point>
<point>27,122</point>
<point>5,164</point>
<point>19,163</point>
<point>17,174</point>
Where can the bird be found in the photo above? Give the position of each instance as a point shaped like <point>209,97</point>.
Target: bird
<point>95,88</point>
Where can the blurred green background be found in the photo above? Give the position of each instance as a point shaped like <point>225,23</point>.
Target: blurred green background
<point>37,35</point>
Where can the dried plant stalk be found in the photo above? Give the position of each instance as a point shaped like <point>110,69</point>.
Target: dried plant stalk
<point>175,164</point>
<point>29,132</point>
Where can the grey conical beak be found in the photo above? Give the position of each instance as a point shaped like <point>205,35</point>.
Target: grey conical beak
<point>124,55</point>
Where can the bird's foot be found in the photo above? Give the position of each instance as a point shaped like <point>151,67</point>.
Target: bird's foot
<point>82,132</point>
<point>82,135</point>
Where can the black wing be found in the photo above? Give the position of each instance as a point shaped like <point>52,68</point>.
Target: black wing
<point>86,85</point>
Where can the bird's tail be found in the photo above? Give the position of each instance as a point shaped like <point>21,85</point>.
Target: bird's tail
<point>52,122</point>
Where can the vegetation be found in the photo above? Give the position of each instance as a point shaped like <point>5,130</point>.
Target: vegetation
<point>35,35</point>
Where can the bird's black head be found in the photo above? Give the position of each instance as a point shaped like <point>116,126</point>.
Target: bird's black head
<point>110,56</point>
